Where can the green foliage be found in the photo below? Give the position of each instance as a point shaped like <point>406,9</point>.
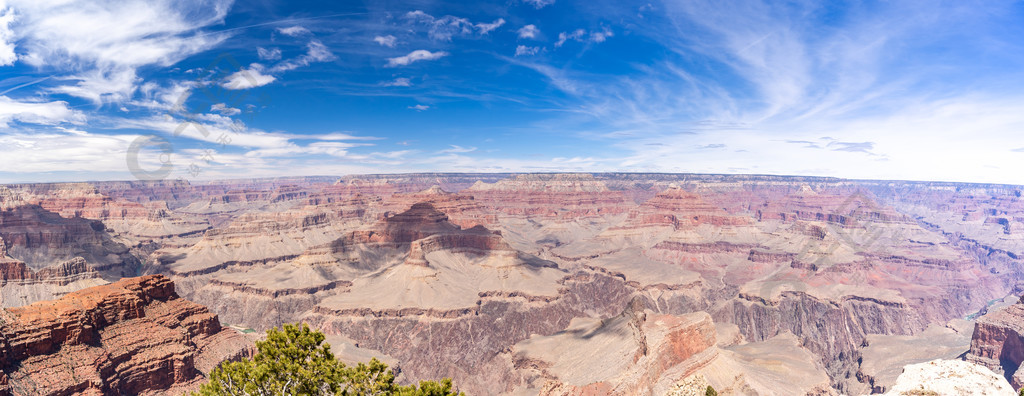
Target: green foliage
<point>295,361</point>
<point>709,391</point>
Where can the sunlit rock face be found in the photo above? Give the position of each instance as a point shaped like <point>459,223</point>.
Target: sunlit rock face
<point>131,336</point>
<point>481,277</point>
<point>949,378</point>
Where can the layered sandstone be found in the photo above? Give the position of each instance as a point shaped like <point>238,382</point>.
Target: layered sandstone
<point>132,336</point>
<point>555,197</point>
<point>998,342</point>
<point>812,276</point>
<point>462,209</point>
<point>41,238</point>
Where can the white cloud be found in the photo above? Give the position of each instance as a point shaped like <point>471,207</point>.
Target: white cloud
<point>446,27</point>
<point>416,56</point>
<point>40,151</point>
<point>334,149</point>
<point>268,54</point>
<point>600,37</point>
<point>103,42</point>
<point>563,37</point>
<point>398,82</point>
<point>210,128</point>
<point>46,113</point>
<point>293,31</point>
<point>224,109</point>
<point>99,86</point>
<point>538,4</point>
<point>387,41</point>
<point>581,36</point>
<point>248,78</point>
<point>316,52</point>
<point>258,75</point>
<point>7,55</point>
<point>169,98</point>
<point>457,149</point>
<point>339,136</point>
<point>528,32</point>
<point>419,107</point>
<point>524,50</point>
<point>488,27</point>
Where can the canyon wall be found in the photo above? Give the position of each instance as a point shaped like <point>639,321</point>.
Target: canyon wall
<point>131,336</point>
<point>458,274</point>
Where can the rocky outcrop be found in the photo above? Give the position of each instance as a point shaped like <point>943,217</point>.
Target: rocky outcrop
<point>998,342</point>
<point>17,272</point>
<point>420,221</point>
<point>949,378</point>
<point>132,336</point>
<point>462,209</point>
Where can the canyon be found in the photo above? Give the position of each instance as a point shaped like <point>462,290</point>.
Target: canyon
<point>551,284</point>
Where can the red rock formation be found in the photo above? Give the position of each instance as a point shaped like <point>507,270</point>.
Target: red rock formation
<point>848,210</point>
<point>420,221</point>
<point>132,336</point>
<point>557,197</point>
<point>680,209</point>
<point>462,209</point>
<point>41,238</point>
<point>998,343</point>
<point>14,271</point>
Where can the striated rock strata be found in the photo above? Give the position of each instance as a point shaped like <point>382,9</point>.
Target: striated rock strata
<point>133,336</point>
<point>998,342</point>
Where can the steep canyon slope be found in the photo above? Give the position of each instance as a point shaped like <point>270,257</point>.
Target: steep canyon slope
<point>554,283</point>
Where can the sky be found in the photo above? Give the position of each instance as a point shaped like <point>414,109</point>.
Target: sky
<point>215,89</point>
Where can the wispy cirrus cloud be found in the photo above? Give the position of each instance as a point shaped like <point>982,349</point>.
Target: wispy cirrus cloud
<point>457,149</point>
<point>398,82</point>
<point>776,80</point>
<point>415,56</point>
<point>597,36</point>
<point>224,109</point>
<point>258,75</point>
<point>271,54</point>
<point>538,4</point>
<point>448,26</point>
<point>37,112</point>
<point>96,50</point>
<point>315,52</point>
<point>526,50</point>
<point>293,31</point>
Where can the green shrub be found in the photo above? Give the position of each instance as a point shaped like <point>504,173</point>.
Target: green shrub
<point>295,361</point>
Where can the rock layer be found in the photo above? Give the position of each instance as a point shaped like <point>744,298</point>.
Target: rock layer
<point>998,342</point>
<point>132,336</point>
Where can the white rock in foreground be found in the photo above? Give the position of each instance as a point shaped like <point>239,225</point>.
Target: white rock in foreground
<point>950,377</point>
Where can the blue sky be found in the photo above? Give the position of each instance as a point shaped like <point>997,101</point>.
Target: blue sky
<point>208,89</point>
